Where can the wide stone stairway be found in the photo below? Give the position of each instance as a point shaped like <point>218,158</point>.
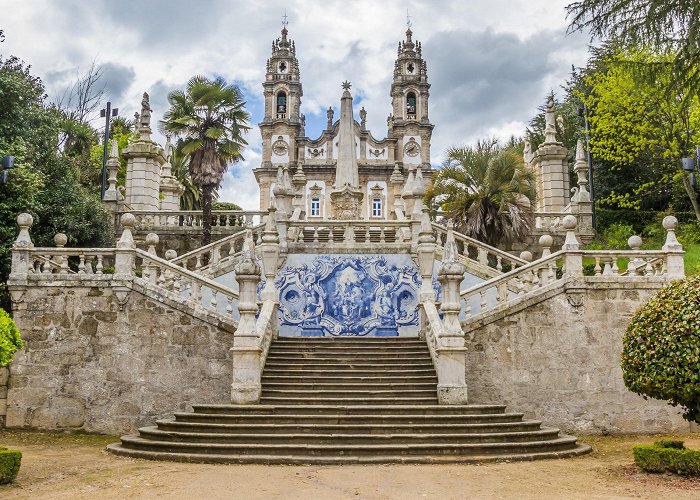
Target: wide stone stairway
<point>348,400</point>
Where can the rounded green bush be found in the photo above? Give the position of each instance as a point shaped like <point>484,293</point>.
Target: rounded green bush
<point>10,461</point>
<point>661,348</point>
<point>9,338</point>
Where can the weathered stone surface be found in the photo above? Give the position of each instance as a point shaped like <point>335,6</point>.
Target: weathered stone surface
<point>561,365</point>
<point>88,366</point>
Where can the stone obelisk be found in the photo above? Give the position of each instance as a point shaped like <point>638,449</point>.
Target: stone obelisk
<point>346,196</point>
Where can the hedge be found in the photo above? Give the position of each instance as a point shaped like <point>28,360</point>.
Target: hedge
<point>669,456</point>
<point>638,219</point>
<point>9,465</point>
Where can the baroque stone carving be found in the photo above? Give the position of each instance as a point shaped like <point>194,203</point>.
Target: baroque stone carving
<point>348,296</point>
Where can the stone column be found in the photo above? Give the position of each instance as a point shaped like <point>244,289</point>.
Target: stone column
<point>581,204</point>
<point>397,181</point>
<point>573,258</point>
<point>247,363</point>
<point>426,257</point>
<point>21,262</point>
<point>451,352</point>
<point>144,159</point>
<point>675,266</point>
<point>552,168</point>
<point>270,252</point>
<point>170,188</point>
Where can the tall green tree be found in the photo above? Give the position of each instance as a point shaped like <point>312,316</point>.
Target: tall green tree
<point>663,25</point>
<point>209,117</point>
<point>643,128</point>
<point>487,191</point>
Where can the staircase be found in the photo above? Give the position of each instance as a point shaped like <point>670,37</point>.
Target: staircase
<point>348,400</point>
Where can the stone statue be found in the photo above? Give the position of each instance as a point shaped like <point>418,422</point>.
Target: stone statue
<point>363,118</point>
<point>550,129</point>
<point>390,120</point>
<point>168,149</point>
<point>527,153</point>
<point>329,114</point>
<point>145,111</point>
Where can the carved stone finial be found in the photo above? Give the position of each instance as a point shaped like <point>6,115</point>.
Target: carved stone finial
<point>546,242</point>
<point>346,85</point>
<point>581,168</point>
<point>571,241</point>
<point>24,240</point>
<point>60,240</point>
<point>114,153</point>
<point>128,221</point>
<point>670,224</point>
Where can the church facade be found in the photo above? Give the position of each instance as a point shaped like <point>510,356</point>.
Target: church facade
<point>347,172</point>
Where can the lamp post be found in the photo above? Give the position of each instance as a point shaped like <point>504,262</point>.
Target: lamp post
<point>689,165</point>
<point>107,114</point>
<point>8,162</point>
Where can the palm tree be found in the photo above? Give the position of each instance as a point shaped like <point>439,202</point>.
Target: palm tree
<point>209,117</point>
<point>487,191</point>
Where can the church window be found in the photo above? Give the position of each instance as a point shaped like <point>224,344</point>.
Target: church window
<point>315,207</point>
<point>411,104</point>
<point>377,207</point>
<point>281,105</point>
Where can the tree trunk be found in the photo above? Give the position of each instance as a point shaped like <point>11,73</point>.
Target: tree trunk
<point>206,214</point>
<point>690,190</point>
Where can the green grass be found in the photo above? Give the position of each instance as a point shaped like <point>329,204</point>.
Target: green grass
<point>692,260</point>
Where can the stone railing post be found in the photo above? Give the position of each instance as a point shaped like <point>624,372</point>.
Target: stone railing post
<point>546,242</point>
<point>21,262</point>
<point>426,257</point>
<point>270,252</point>
<point>451,352</point>
<point>675,266</point>
<point>246,350</point>
<point>573,258</point>
<point>124,260</point>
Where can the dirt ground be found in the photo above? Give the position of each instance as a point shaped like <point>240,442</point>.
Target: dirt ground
<point>76,466</point>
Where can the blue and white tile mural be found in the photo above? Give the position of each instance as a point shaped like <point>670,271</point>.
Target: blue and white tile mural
<point>348,295</point>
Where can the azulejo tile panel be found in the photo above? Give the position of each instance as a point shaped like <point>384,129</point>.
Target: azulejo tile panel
<point>348,295</point>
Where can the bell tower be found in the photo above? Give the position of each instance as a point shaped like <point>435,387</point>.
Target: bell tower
<point>409,122</point>
<point>282,89</point>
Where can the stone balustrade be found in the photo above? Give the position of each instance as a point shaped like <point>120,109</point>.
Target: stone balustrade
<point>549,222</point>
<point>349,232</point>
<point>475,253</point>
<point>191,220</point>
<point>83,261</point>
<point>218,252</point>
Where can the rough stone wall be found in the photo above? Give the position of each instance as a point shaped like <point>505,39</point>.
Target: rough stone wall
<point>561,364</point>
<point>88,366</point>
<point>4,377</point>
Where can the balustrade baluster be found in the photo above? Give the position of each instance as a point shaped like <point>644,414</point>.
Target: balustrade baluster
<point>502,292</point>
<point>615,270</point>
<point>499,266</point>
<point>46,269</point>
<point>597,269</point>
<point>229,304</point>
<point>607,267</point>
<point>198,262</point>
<point>213,300</point>
<point>482,300</point>
<point>648,269</point>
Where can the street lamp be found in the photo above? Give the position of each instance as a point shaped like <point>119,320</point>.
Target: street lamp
<point>8,162</point>
<point>107,114</point>
<point>689,165</point>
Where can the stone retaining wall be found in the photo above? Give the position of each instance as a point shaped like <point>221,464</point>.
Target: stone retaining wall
<point>561,364</point>
<point>4,377</point>
<point>89,366</point>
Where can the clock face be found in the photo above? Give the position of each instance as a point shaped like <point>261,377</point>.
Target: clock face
<point>279,147</point>
<point>412,148</point>
<point>283,67</point>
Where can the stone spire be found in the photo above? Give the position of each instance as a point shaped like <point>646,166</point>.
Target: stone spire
<point>581,169</point>
<point>346,172</point>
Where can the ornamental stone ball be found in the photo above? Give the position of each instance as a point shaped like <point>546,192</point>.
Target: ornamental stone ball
<point>569,222</point>
<point>170,254</point>
<point>128,220</point>
<point>634,242</point>
<point>670,223</point>
<point>526,256</point>
<point>25,220</point>
<point>151,239</point>
<point>546,241</point>
<point>60,240</point>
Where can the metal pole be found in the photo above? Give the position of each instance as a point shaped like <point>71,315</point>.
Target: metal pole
<point>589,157</point>
<point>108,116</point>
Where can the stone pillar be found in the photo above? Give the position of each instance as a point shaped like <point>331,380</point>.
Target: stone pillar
<point>552,168</point>
<point>397,181</point>
<point>451,352</point>
<point>170,188</point>
<point>270,253</point>
<point>581,204</point>
<point>573,258</point>
<point>112,196</point>
<point>124,259</point>
<point>247,360</point>
<point>426,257</point>
<point>675,267</point>
<point>144,159</point>
<point>21,262</point>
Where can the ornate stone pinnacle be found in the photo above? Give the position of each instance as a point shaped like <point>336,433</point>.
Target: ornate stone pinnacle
<point>346,85</point>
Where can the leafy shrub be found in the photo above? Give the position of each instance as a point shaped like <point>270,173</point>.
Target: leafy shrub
<point>638,219</point>
<point>661,348</point>
<point>9,338</point>
<point>616,236</point>
<point>9,465</point>
<point>689,234</point>
<point>660,458</point>
<point>670,443</point>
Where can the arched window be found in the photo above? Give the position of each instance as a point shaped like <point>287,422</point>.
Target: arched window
<point>281,105</point>
<point>411,104</point>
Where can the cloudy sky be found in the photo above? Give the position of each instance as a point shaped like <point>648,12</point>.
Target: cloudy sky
<point>490,62</point>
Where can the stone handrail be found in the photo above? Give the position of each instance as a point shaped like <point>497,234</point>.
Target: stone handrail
<point>347,232</point>
<point>433,327</point>
<point>266,327</point>
<point>191,287</point>
<point>641,262</point>
<point>476,252</point>
<point>192,219</point>
<point>54,260</point>
<point>217,251</point>
<point>516,283</point>
<point>549,222</point>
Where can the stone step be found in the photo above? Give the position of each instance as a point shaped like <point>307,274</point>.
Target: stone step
<point>452,439</point>
<point>366,410</point>
<point>395,386</point>
<point>302,364</point>
<point>561,443</point>
<point>354,428</point>
<point>362,394</point>
<point>360,400</point>
<point>328,359</point>
<point>267,380</point>
<point>378,458</point>
<point>329,374</point>
<point>305,417</point>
